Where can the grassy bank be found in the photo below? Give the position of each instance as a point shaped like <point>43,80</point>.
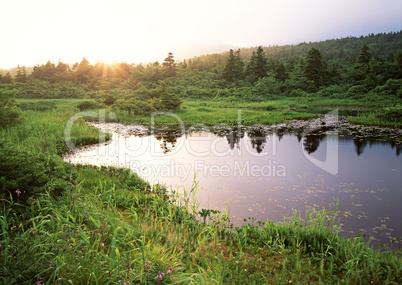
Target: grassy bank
<point>88,225</point>
<point>201,112</point>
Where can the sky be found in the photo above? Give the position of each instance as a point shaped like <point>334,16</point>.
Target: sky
<point>134,31</point>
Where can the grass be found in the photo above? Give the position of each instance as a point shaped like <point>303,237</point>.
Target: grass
<point>110,227</point>
<point>201,112</point>
<point>387,117</point>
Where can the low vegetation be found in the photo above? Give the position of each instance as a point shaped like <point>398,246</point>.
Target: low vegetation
<point>82,224</point>
<point>75,224</point>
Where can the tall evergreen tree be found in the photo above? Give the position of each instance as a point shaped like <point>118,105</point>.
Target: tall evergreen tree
<point>84,71</point>
<point>398,58</point>
<point>21,75</point>
<point>169,65</point>
<point>281,73</point>
<point>7,78</point>
<point>257,67</point>
<point>315,68</point>
<point>364,56</point>
<point>234,67</point>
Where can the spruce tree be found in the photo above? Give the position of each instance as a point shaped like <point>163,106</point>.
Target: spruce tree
<point>21,75</point>
<point>234,67</point>
<point>315,68</point>
<point>281,73</point>
<point>257,67</point>
<point>169,65</point>
<point>364,56</point>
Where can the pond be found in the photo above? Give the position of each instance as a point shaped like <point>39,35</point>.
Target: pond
<point>266,171</point>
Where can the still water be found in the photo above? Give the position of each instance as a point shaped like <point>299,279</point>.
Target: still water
<point>265,172</point>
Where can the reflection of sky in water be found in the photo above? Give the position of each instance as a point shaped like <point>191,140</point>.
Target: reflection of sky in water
<point>265,178</point>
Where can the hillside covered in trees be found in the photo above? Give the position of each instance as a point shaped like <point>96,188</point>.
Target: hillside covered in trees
<point>367,68</point>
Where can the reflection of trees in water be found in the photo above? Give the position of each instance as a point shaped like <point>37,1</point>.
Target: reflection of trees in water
<point>360,145</point>
<point>312,142</point>
<point>279,133</point>
<point>299,136</point>
<point>168,139</point>
<point>258,138</point>
<point>234,138</point>
<point>398,149</point>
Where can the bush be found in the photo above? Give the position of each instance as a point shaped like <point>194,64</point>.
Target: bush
<point>357,91</point>
<point>90,104</point>
<point>31,173</point>
<point>391,114</point>
<point>392,87</point>
<point>38,106</point>
<point>333,91</point>
<point>9,114</point>
<point>298,93</point>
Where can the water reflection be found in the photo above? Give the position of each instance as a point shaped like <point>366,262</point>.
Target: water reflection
<point>258,138</point>
<point>263,171</point>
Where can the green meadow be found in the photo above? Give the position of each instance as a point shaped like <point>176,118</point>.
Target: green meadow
<point>76,224</point>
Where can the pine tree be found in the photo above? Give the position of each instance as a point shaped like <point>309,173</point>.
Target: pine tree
<point>169,65</point>
<point>234,67</point>
<point>364,56</point>
<point>84,71</point>
<point>398,58</point>
<point>315,68</point>
<point>257,67</point>
<point>281,73</point>
<point>169,101</point>
<point>21,75</point>
<point>7,78</point>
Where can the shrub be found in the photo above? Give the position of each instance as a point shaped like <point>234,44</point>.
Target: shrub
<point>333,91</point>
<point>391,114</point>
<point>392,87</point>
<point>31,173</point>
<point>9,114</point>
<point>357,91</point>
<point>298,93</point>
<point>38,106</point>
<point>90,104</point>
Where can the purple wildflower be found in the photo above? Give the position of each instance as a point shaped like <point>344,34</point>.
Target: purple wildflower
<point>147,264</point>
<point>18,192</point>
<point>160,275</point>
<point>170,270</point>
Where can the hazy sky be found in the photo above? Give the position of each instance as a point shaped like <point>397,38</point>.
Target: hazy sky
<point>138,31</point>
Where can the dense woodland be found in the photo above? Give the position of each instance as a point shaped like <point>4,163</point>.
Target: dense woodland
<point>365,68</point>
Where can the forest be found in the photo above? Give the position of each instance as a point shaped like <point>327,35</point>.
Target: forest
<point>368,68</point>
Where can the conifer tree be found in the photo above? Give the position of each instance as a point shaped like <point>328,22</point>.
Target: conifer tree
<point>234,67</point>
<point>169,65</point>
<point>315,68</point>
<point>364,56</point>
<point>257,67</point>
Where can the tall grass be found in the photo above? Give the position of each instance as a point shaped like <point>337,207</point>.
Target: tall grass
<point>110,227</point>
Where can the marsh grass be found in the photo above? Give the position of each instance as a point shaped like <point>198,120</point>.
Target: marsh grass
<point>111,227</point>
<point>387,117</point>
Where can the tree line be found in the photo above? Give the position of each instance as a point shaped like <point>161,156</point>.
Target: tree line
<point>246,74</point>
